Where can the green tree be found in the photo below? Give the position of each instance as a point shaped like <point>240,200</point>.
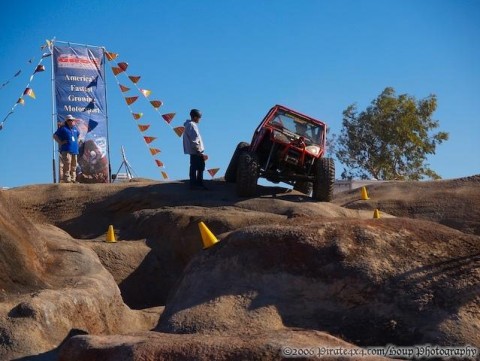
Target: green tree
<point>391,139</point>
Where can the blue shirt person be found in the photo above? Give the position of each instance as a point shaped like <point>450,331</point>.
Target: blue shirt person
<point>67,138</point>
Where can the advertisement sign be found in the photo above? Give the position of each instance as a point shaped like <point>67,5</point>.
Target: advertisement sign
<point>79,78</point>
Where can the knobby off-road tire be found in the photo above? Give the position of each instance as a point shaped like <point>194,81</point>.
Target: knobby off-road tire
<point>231,173</point>
<point>247,174</point>
<point>324,170</point>
<point>303,187</point>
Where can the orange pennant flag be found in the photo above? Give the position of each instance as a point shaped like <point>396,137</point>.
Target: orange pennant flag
<point>111,56</point>
<point>131,100</point>
<point>145,92</point>
<point>29,92</point>
<point>116,70</point>
<point>39,68</point>
<point>143,127</point>
<point>123,66</point>
<point>134,79</point>
<point>156,103</point>
<point>168,117</point>
<point>164,175</point>
<point>148,140</point>
<point>137,116</point>
<point>154,151</point>
<point>159,163</point>
<point>21,101</point>
<point>123,88</point>
<point>179,130</point>
<point>213,171</point>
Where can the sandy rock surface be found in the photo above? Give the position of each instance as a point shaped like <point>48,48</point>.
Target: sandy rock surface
<point>286,270</point>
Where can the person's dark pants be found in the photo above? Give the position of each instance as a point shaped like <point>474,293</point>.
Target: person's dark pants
<point>197,166</point>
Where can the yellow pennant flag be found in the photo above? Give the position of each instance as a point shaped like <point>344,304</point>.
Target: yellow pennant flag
<point>123,88</point>
<point>143,127</point>
<point>137,116</point>
<point>179,130</point>
<point>164,175</point>
<point>156,103</point>
<point>29,92</point>
<point>134,79</point>
<point>111,56</point>
<point>48,44</point>
<point>154,151</point>
<point>131,100</point>
<point>159,163</point>
<point>148,140</point>
<point>168,117</point>
<point>145,92</point>
<point>21,101</point>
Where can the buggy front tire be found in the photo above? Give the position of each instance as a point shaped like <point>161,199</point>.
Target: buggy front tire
<point>324,171</point>
<point>231,172</point>
<point>247,174</point>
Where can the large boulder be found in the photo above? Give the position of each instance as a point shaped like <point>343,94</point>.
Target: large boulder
<point>267,346</point>
<point>52,286</point>
<point>369,282</point>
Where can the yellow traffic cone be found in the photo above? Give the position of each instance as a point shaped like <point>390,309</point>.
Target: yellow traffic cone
<point>208,238</point>
<point>110,235</point>
<point>376,213</point>
<point>364,194</point>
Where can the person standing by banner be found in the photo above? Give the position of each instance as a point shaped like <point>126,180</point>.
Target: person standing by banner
<point>67,138</point>
<point>193,145</point>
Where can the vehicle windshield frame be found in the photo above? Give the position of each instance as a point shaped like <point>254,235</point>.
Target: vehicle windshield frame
<point>292,123</point>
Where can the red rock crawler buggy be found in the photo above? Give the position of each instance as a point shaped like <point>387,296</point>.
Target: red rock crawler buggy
<point>286,147</point>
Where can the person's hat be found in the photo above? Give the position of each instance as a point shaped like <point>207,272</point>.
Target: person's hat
<point>69,117</point>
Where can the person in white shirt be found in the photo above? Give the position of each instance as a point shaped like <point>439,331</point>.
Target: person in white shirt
<point>193,145</point>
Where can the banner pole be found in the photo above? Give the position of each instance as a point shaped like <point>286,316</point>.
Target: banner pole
<point>53,115</point>
<point>106,118</point>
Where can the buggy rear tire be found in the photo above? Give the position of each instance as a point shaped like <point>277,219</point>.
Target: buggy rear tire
<point>324,170</point>
<point>231,172</point>
<point>247,174</point>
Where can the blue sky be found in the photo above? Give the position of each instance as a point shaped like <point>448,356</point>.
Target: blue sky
<point>234,60</point>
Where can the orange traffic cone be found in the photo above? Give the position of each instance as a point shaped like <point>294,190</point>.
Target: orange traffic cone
<point>208,238</point>
<point>376,213</point>
<point>364,194</point>
<point>110,235</point>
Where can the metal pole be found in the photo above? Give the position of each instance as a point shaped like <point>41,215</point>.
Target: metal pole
<point>53,115</point>
<point>106,118</point>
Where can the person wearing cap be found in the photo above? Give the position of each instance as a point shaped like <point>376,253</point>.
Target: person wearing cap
<point>193,145</point>
<point>67,138</point>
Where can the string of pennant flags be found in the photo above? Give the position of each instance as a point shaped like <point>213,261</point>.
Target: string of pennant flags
<point>28,90</point>
<point>117,69</point>
<point>5,83</point>
<point>121,68</point>
<point>156,104</point>
<point>130,100</point>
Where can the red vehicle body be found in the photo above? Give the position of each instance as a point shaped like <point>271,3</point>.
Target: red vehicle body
<point>288,147</point>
